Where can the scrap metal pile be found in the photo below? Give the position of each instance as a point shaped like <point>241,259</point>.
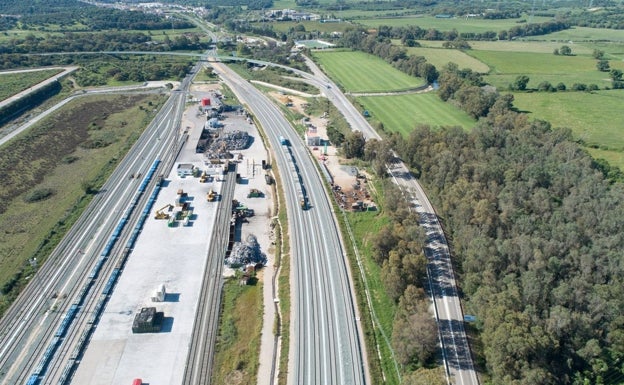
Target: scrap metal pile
<point>246,253</point>
<point>222,146</point>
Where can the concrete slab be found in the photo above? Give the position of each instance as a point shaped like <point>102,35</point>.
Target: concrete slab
<point>176,257</point>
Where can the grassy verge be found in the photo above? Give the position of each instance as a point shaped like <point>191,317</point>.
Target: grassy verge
<point>13,83</point>
<point>282,262</point>
<point>58,157</point>
<point>273,75</point>
<point>238,342</point>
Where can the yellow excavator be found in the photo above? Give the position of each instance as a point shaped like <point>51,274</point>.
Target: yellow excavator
<point>160,214</point>
<point>210,197</point>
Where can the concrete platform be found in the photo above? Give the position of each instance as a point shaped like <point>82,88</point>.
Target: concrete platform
<point>175,257</point>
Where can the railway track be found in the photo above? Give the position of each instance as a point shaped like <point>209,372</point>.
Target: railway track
<point>326,347</point>
<point>27,332</point>
<point>198,369</point>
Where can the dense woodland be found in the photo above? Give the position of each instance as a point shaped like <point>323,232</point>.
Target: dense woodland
<point>535,228</point>
<point>80,16</point>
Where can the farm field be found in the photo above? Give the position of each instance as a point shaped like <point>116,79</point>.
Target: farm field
<point>440,57</point>
<point>365,76</point>
<point>546,47</point>
<point>584,34</point>
<point>68,146</point>
<point>505,66</point>
<point>593,117</point>
<point>13,83</point>
<point>285,26</point>
<point>401,113</point>
<point>460,24</point>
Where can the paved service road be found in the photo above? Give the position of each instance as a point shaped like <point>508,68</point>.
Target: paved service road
<point>326,345</point>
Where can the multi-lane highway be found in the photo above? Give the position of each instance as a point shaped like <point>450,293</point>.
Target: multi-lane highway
<point>36,341</point>
<point>326,345</point>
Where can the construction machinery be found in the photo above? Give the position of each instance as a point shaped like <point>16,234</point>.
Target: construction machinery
<point>211,196</point>
<point>203,177</point>
<point>160,214</point>
<point>255,193</point>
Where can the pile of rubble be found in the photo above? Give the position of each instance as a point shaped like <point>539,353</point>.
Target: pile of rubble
<point>246,253</point>
<point>222,146</point>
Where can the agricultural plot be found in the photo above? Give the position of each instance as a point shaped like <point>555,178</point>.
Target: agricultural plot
<point>440,57</point>
<point>593,117</point>
<point>584,34</point>
<point>402,113</point>
<point>505,66</point>
<point>546,47</point>
<point>461,24</point>
<point>361,72</point>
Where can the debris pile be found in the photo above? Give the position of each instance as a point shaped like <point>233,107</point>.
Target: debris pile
<point>222,146</point>
<point>246,253</point>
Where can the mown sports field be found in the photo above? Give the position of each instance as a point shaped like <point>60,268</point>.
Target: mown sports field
<point>357,71</point>
<point>402,113</point>
<point>399,113</point>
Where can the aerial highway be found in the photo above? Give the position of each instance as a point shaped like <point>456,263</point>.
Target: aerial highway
<point>326,341</point>
<point>41,333</point>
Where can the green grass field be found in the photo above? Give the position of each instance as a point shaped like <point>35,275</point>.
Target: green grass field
<point>439,57</point>
<point>370,74</point>
<point>505,66</point>
<point>595,118</point>
<point>402,113</point>
<point>460,24</point>
<point>364,227</point>
<point>238,343</point>
<point>546,47</point>
<point>12,83</point>
<point>584,34</point>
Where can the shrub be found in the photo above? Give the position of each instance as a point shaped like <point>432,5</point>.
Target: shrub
<point>39,195</point>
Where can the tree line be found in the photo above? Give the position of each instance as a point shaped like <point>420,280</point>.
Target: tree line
<point>100,41</point>
<point>414,32</point>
